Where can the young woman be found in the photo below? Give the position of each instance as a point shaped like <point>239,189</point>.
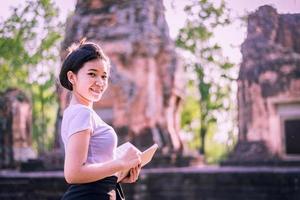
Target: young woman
<point>90,164</point>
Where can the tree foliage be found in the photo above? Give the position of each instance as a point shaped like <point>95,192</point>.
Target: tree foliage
<point>28,50</point>
<point>212,69</point>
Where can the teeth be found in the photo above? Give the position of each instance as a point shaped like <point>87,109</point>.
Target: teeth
<point>96,91</point>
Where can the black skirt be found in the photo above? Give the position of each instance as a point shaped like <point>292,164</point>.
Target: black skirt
<point>104,189</point>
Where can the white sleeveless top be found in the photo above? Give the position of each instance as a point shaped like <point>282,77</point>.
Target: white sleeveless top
<point>103,141</point>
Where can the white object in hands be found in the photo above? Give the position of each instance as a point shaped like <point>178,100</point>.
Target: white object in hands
<point>146,156</point>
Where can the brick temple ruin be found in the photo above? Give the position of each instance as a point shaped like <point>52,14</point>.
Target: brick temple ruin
<point>145,92</point>
<point>269,90</point>
<point>15,128</point>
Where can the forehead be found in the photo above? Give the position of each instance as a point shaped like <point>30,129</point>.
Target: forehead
<point>96,64</point>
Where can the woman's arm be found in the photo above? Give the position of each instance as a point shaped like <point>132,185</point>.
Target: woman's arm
<point>77,171</point>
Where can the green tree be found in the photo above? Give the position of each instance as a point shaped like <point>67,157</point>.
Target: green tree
<point>28,51</point>
<point>212,69</point>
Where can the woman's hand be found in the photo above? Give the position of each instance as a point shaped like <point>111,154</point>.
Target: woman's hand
<point>133,175</point>
<point>131,158</point>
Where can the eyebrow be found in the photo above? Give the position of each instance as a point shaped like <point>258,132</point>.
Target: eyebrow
<point>95,70</point>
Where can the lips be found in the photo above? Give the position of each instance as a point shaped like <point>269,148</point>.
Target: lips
<point>96,90</point>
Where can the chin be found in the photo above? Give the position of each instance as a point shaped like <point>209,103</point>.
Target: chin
<point>95,99</point>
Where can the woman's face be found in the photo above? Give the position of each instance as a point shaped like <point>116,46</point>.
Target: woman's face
<point>90,82</point>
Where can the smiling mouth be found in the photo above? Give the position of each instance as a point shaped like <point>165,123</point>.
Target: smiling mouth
<point>97,91</point>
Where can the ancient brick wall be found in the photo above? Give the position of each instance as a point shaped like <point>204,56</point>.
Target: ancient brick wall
<point>268,84</point>
<point>172,184</point>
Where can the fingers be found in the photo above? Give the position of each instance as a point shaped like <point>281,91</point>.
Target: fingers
<point>135,152</point>
<point>132,157</point>
<point>133,175</point>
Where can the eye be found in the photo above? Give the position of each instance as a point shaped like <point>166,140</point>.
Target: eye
<point>92,74</point>
<point>104,77</point>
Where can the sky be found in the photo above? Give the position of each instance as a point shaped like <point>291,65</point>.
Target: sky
<point>229,38</point>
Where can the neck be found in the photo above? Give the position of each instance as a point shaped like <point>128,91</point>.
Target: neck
<point>79,99</point>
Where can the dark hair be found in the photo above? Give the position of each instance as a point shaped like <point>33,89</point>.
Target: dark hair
<point>78,55</point>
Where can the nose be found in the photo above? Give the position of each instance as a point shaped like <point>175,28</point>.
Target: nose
<point>99,81</point>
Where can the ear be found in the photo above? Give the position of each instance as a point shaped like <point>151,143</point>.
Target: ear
<point>71,77</point>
